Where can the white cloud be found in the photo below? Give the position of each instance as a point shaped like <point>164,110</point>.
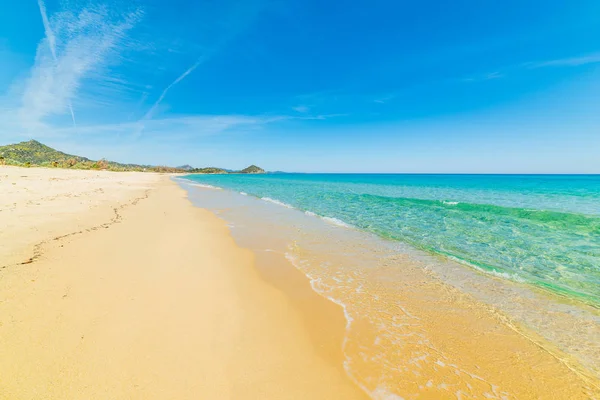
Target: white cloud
<point>561,62</point>
<point>219,32</point>
<point>385,99</point>
<point>485,77</point>
<point>301,109</point>
<point>49,33</point>
<point>167,129</point>
<point>566,62</point>
<point>78,45</point>
<point>52,45</point>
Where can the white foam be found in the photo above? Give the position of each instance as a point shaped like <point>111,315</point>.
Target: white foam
<point>202,185</point>
<point>503,275</point>
<point>315,283</point>
<point>279,203</point>
<point>244,193</point>
<point>337,222</point>
<point>184,180</point>
<point>382,393</point>
<point>450,203</point>
<point>331,220</point>
<point>194,183</point>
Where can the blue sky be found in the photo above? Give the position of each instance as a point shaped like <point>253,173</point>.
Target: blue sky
<point>303,85</point>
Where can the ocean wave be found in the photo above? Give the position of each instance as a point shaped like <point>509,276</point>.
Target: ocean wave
<point>279,203</point>
<point>179,179</point>
<point>331,220</point>
<point>450,203</point>
<point>319,287</point>
<point>205,186</point>
<point>195,183</point>
<point>244,193</point>
<point>504,275</point>
<point>337,222</point>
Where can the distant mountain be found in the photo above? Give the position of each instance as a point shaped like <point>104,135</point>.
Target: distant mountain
<point>253,169</point>
<point>36,153</point>
<point>33,153</point>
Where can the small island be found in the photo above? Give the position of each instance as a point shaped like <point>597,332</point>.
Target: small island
<point>253,169</point>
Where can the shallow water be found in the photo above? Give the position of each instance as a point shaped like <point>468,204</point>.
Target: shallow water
<point>420,325</point>
<point>541,230</point>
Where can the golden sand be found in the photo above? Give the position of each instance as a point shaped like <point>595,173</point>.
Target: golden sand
<point>409,333</point>
<point>144,296</point>
<point>37,204</point>
<point>424,339</point>
<point>158,302</point>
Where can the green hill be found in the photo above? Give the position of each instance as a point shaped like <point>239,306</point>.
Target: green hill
<point>208,170</point>
<point>33,153</point>
<point>253,169</point>
<point>36,153</point>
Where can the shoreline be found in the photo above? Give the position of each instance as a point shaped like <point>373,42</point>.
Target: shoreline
<point>557,294</point>
<point>160,304</point>
<point>465,332</point>
<point>139,293</point>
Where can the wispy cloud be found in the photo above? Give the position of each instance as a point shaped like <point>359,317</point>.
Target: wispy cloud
<point>531,65</point>
<point>173,129</point>
<point>181,77</point>
<point>170,129</point>
<point>566,62</point>
<point>320,117</point>
<point>301,109</point>
<point>141,124</point>
<point>485,77</point>
<point>219,31</point>
<point>52,45</point>
<point>385,99</point>
<point>49,34</point>
<point>76,46</point>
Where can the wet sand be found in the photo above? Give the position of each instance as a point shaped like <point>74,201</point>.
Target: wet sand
<point>409,333</point>
<point>114,286</point>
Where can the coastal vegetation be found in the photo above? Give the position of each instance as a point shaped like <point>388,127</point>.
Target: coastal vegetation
<point>35,154</point>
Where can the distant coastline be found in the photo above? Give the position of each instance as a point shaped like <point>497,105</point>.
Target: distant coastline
<point>35,154</point>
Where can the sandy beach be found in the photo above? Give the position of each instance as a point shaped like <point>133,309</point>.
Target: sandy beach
<point>113,286</point>
<point>297,200</point>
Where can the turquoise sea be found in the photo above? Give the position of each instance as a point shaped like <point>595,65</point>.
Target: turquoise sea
<point>542,230</point>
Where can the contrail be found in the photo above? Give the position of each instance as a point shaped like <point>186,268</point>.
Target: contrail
<point>72,113</point>
<point>52,45</point>
<point>175,82</point>
<point>148,115</point>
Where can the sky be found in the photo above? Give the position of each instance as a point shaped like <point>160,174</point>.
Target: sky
<point>466,86</point>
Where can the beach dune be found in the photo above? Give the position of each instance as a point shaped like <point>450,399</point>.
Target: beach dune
<point>113,286</point>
